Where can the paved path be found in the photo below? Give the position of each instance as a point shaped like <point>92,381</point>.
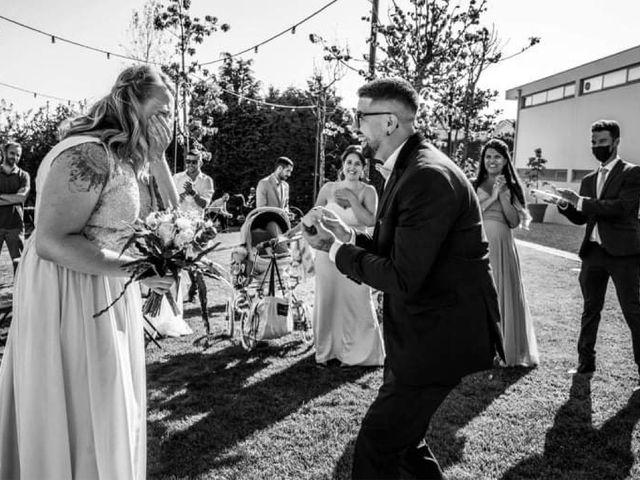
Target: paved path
<point>548,250</point>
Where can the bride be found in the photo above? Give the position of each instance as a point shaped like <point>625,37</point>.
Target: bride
<point>345,325</point>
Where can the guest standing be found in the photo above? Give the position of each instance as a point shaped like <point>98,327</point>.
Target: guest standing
<point>73,387</point>
<point>196,190</point>
<point>428,254</point>
<point>345,325</point>
<point>608,204</point>
<point>14,187</point>
<point>504,208</point>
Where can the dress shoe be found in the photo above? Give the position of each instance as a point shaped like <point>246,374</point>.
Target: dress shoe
<point>584,368</point>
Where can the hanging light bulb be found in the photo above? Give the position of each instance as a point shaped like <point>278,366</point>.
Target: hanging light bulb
<point>255,50</point>
<point>53,39</point>
<point>293,30</point>
<point>108,55</point>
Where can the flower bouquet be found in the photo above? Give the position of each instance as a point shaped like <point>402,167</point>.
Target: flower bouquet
<point>169,242</point>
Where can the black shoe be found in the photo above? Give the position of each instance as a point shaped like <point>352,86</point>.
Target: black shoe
<point>584,368</point>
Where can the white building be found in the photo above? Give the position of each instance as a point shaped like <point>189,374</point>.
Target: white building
<point>555,114</point>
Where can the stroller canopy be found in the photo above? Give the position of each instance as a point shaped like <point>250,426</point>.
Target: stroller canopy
<point>258,219</point>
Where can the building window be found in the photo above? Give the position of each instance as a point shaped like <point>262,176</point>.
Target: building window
<point>616,78</point>
<point>550,95</point>
<point>547,175</point>
<point>578,175</point>
<point>570,90</point>
<point>592,84</point>
<point>555,174</point>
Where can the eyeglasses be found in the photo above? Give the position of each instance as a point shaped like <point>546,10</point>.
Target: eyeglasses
<point>187,162</point>
<point>359,115</point>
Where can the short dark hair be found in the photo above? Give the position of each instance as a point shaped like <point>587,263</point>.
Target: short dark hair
<point>284,162</point>
<point>396,89</point>
<point>610,126</point>
<point>195,153</point>
<point>11,143</point>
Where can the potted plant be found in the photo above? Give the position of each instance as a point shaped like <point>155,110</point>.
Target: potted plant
<point>534,179</point>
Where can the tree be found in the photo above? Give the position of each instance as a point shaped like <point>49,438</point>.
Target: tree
<point>442,49</point>
<point>144,41</point>
<point>536,166</point>
<point>189,32</point>
<point>37,132</point>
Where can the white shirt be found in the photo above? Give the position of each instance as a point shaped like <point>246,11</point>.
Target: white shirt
<point>595,235</point>
<point>203,185</point>
<point>385,171</point>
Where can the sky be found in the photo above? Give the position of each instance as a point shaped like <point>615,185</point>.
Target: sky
<point>572,32</point>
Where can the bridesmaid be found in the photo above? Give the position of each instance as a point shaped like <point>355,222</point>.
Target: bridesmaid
<point>344,320</point>
<point>504,208</point>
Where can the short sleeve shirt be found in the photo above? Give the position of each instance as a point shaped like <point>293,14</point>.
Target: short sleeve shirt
<point>12,216</point>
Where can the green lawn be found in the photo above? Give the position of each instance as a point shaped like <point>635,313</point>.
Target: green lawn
<point>218,412</point>
<point>562,237</point>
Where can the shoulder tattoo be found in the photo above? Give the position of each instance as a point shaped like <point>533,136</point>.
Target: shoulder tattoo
<point>88,167</point>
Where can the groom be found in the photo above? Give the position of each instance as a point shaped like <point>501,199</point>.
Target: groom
<point>429,256</point>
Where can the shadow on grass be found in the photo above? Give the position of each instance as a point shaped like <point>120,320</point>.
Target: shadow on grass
<point>468,400</point>
<point>207,408</point>
<point>574,449</point>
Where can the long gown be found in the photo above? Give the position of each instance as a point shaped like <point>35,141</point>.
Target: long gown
<point>345,326</point>
<point>72,387</point>
<point>520,345</point>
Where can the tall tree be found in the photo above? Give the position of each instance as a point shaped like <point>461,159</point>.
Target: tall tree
<point>144,41</point>
<point>189,31</point>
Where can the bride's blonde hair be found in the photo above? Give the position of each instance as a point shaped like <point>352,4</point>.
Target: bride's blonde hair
<point>117,118</point>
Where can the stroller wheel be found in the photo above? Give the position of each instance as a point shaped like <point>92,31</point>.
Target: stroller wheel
<point>249,328</point>
<point>230,315</point>
<point>303,323</point>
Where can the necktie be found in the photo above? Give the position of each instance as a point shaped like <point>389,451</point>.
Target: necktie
<point>602,177</point>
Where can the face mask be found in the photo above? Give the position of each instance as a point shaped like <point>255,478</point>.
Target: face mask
<point>602,153</point>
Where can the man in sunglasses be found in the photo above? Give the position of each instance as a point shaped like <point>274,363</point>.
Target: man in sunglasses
<point>429,255</point>
<point>196,190</point>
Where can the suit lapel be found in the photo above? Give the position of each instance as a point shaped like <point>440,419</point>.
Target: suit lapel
<point>401,164</point>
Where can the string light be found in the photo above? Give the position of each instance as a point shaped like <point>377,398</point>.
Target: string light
<point>36,94</point>
<point>286,30</point>
<point>292,29</point>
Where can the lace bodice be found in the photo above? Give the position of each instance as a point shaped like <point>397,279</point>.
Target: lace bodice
<point>118,207</point>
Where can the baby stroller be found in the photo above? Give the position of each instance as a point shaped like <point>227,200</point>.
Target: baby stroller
<point>264,277</point>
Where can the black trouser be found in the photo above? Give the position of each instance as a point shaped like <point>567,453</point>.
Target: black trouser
<point>14,237</point>
<point>597,267</point>
<point>391,441</point>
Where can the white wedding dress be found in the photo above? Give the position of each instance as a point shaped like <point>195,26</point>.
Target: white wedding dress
<point>345,325</point>
<point>73,387</point>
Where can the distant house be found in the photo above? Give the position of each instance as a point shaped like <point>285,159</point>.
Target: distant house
<point>555,113</point>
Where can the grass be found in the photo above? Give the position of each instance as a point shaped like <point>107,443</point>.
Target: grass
<point>218,412</point>
<point>562,237</point>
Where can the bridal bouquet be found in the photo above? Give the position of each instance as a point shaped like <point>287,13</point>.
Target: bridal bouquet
<point>169,242</point>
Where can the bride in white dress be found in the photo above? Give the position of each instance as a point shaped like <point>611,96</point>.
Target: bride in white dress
<point>72,387</point>
<point>345,325</point>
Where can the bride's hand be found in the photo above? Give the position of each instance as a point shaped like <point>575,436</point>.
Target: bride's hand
<point>160,135</point>
<point>345,195</point>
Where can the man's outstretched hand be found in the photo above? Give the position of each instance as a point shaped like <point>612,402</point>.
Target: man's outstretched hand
<point>321,227</point>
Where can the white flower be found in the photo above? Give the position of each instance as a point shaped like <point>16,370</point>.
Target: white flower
<point>183,237</point>
<point>152,221</point>
<point>183,223</point>
<point>165,232</point>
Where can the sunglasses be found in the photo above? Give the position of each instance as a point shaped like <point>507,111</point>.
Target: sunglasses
<point>359,115</point>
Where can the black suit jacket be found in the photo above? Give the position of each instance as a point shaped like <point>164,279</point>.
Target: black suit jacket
<point>429,256</point>
<point>615,212</point>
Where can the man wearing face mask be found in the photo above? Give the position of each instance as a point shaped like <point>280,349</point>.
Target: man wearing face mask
<point>608,205</point>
